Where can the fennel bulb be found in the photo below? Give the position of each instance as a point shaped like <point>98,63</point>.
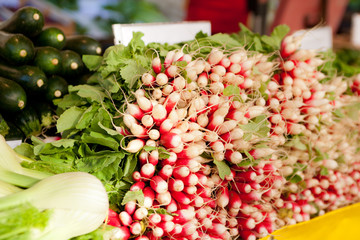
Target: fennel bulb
<point>77,201</point>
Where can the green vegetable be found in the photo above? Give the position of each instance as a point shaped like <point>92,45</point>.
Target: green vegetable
<point>72,65</point>
<point>31,78</point>
<point>50,36</point>
<point>83,45</point>
<point>4,127</point>
<point>48,59</point>
<point>65,205</point>
<point>13,96</point>
<point>27,121</point>
<point>45,113</point>
<point>11,170</point>
<point>57,87</point>
<point>26,20</point>
<point>15,48</point>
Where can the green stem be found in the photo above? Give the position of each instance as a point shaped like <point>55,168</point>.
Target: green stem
<point>17,179</point>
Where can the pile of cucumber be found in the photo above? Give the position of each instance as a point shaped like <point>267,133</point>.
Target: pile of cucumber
<point>37,63</point>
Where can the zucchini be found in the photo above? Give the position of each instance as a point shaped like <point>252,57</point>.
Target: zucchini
<point>72,64</point>
<point>16,48</point>
<point>27,121</point>
<point>50,36</point>
<point>83,45</point>
<point>48,59</point>
<point>31,78</point>
<point>26,20</point>
<point>13,96</point>
<point>4,127</point>
<point>57,87</point>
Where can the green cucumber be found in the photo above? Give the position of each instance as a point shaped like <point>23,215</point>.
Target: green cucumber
<point>16,48</point>
<point>13,96</point>
<point>83,45</point>
<point>50,36</point>
<point>57,87</point>
<point>48,59</point>
<point>72,64</point>
<point>26,20</point>
<point>31,78</point>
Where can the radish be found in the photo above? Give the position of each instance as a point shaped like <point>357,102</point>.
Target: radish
<point>130,207</point>
<point>135,145</point>
<point>171,72</point>
<point>171,101</point>
<point>183,215</point>
<point>215,56</point>
<point>125,218</point>
<point>147,170</point>
<point>158,184</point>
<point>166,171</point>
<point>149,197</point>
<point>137,186</point>
<point>156,65</point>
<point>180,197</point>
<point>135,228</point>
<point>140,213</point>
<point>170,140</point>
<point>163,198</point>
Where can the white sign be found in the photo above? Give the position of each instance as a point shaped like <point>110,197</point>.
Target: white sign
<point>317,38</point>
<point>170,33</point>
<point>355,30</point>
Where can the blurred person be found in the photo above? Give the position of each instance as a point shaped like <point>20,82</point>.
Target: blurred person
<point>224,16</point>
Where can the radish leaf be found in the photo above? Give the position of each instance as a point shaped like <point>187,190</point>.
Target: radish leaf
<point>223,168</point>
<point>133,196</point>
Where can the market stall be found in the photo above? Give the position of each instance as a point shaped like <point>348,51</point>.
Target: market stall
<point>220,136</point>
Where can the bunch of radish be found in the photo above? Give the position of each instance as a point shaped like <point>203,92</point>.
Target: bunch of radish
<point>184,119</point>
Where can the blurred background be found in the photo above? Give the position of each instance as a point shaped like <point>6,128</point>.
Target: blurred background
<point>94,17</point>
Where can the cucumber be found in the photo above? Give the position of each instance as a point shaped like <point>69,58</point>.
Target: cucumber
<point>31,78</point>
<point>16,48</point>
<point>72,64</point>
<point>4,127</point>
<point>83,45</point>
<point>26,20</point>
<point>50,36</point>
<point>27,121</point>
<point>48,59</point>
<point>13,96</point>
<point>57,87</point>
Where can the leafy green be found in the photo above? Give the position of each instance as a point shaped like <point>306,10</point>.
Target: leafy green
<point>22,221</point>
<point>261,43</point>
<point>258,126</point>
<point>4,128</point>
<point>93,62</point>
<point>133,196</point>
<point>223,168</point>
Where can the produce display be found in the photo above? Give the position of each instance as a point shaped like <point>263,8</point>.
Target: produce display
<point>222,137</point>
<point>37,63</point>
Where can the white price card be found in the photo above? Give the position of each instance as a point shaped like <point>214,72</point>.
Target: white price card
<point>168,32</point>
<point>355,30</point>
<point>318,38</point>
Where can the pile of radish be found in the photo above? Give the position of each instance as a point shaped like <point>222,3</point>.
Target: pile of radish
<point>238,144</point>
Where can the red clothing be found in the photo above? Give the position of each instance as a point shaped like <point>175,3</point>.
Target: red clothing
<point>224,15</point>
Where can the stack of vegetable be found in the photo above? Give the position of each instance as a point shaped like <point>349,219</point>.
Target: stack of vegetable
<point>37,63</point>
<point>216,138</point>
